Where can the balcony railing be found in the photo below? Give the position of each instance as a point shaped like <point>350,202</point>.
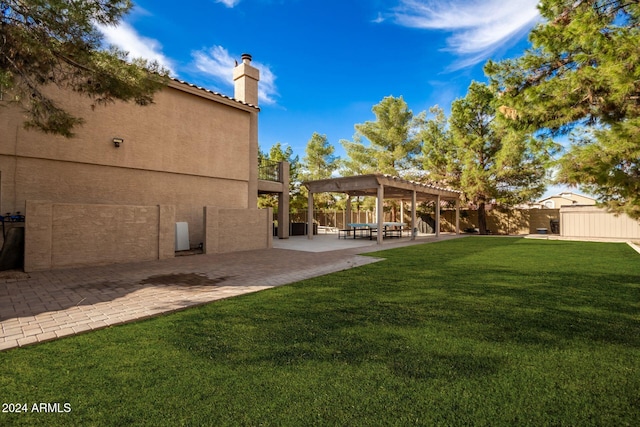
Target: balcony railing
<point>269,170</point>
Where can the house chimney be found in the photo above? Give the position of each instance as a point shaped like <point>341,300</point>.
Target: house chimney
<point>245,78</point>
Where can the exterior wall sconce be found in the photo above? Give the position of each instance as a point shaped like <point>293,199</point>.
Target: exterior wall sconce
<point>117,142</point>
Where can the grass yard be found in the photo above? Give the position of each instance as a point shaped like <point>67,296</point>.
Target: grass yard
<point>473,331</point>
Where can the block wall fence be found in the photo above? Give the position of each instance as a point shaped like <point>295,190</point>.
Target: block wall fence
<point>62,235</point>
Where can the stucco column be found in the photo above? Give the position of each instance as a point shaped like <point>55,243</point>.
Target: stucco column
<point>310,216</point>
<point>413,215</point>
<point>437,208</point>
<point>380,209</point>
<point>283,202</point>
<point>166,231</point>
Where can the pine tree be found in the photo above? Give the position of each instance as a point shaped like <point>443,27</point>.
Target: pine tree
<point>56,43</point>
<point>477,151</point>
<point>439,153</point>
<point>319,161</point>
<point>393,138</point>
<point>583,70</point>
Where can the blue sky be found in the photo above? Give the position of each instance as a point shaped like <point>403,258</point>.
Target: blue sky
<point>325,63</point>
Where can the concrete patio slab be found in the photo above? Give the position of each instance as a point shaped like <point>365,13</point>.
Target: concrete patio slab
<point>330,242</point>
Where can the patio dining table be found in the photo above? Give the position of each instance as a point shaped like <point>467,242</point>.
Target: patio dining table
<point>390,229</point>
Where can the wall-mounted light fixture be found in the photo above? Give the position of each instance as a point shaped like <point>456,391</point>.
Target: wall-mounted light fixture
<point>117,141</point>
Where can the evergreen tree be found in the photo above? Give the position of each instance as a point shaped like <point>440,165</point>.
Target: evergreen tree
<point>56,43</point>
<point>393,137</point>
<point>319,163</point>
<point>360,159</point>
<point>439,153</point>
<point>583,70</point>
<point>478,152</point>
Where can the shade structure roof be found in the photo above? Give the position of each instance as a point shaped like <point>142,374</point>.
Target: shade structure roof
<point>394,187</point>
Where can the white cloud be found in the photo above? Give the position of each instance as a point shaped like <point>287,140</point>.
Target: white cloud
<point>125,37</point>
<point>379,19</point>
<point>216,62</point>
<point>228,3</point>
<point>478,27</point>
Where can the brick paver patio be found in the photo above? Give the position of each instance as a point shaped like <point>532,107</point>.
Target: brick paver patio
<point>41,306</point>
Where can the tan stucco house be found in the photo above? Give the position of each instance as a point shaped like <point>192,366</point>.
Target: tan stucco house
<point>566,199</point>
<point>115,191</point>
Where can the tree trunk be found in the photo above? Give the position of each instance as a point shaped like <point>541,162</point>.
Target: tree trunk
<point>482,219</point>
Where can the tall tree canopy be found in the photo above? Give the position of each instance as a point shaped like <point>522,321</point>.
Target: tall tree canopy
<point>439,153</point>
<point>319,161</point>
<point>56,43</point>
<point>393,136</point>
<point>476,151</point>
<point>583,70</point>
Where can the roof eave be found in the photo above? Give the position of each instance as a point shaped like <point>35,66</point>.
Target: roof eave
<point>214,96</point>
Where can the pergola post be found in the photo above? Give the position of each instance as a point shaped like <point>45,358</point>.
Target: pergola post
<point>310,216</point>
<point>347,219</point>
<point>437,208</point>
<point>380,212</point>
<point>413,215</point>
<point>457,216</point>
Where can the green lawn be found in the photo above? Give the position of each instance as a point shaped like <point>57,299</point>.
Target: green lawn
<point>474,331</point>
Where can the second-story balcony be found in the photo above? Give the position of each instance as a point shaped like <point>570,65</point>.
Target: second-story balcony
<point>269,170</point>
<point>273,177</point>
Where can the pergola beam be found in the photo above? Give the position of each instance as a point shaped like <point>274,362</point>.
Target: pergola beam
<point>367,185</point>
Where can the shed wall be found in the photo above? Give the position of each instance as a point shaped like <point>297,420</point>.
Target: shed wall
<point>593,222</point>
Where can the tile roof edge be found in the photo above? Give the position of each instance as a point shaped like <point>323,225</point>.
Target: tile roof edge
<point>213,93</point>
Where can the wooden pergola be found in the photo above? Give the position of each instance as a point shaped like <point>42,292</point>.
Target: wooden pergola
<point>383,186</point>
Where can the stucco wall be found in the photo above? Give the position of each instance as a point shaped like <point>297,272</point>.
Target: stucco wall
<point>179,133</point>
<point>189,149</point>
<point>65,182</point>
<point>230,230</point>
<point>61,235</point>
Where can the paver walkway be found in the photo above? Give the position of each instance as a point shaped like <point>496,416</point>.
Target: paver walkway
<point>46,305</point>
